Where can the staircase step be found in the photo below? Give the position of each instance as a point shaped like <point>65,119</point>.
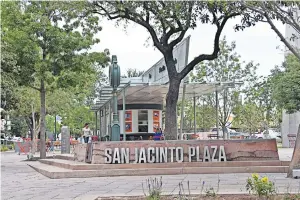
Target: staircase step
<point>74,165</point>
<point>58,173</point>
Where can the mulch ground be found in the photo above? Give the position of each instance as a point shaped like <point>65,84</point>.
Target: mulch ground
<point>218,197</point>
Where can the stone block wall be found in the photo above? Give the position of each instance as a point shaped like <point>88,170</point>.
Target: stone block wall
<point>80,152</point>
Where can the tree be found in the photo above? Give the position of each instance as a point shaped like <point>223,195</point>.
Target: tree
<point>167,24</point>
<point>286,85</point>
<point>76,118</point>
<point>18,127</point>
<point>132,72</point>
<point>295,162</point>
<point>286,92</point>
<point>250,117</point>
<point>288,12</point>
<point>51,40</point>
<point>261,94</point>
<point>205,114</point>
<point>8,71</point>
<point>226,68</point>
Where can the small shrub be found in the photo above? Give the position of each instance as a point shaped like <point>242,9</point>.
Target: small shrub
<point>292,197</point>
<point>154,187</point>
<point>260,186</point>
<point>210,192</point>
<point>4,148</point>
<point>182,195</point>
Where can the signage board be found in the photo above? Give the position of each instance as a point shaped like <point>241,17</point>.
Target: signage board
<point>165,154</point>
<point>158,73</point>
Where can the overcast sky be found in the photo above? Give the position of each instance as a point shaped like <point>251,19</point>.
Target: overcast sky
<point>259,44</point>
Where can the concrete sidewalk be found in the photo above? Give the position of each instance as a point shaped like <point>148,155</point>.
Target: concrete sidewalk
<point>21,182</point>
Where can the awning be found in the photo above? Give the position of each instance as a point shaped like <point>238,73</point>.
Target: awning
<point>138,92</point>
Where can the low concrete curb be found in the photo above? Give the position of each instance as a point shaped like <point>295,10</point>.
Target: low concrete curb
<point>58,173</point>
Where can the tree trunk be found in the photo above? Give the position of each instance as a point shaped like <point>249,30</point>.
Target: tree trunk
<point>33,141</point>
<point>42,117</point>
<point>171,114</point>
<point>295,163</point>
<point>224,130</point>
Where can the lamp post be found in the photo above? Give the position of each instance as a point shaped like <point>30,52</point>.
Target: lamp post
<point>114,75</point>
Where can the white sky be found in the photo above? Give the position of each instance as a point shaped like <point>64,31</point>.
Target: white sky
<point>259,44</point>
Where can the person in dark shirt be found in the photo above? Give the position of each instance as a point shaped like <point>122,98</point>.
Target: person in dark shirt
<point>157,134</point>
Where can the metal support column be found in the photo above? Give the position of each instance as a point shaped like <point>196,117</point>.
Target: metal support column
<point>109,120</point>
<point>194,98</point>
<point>100,124</point>
<point>124,115</point>
<point>105,121</point>
<point>115,129</point>
<point>182,110</point>
<point>217,113</point>
<point>96,122</point>
<point>54,127</point>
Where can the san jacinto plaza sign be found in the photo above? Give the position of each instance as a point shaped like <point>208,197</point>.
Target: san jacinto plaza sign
<point>174,151</point>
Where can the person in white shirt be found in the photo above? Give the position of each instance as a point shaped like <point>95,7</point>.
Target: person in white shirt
<point>86,132</point>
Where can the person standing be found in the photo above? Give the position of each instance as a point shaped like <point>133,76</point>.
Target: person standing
<point>157,135</point>
<point>86,132</point>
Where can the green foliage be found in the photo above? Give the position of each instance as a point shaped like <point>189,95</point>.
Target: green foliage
<point>228,67</point>
<point>154,188</point>
<point>260,186</point>
<point>4,148</point>
<point>291,197</point>
<point>19,127</point>
<point>205,114</point>
<point>167,23</point>
<point>8,71</point>
<point>284,11</point>
<point>76,117</point>
<point>250,117</point>
<point>286,85</point>
<point>50,124</point>
<point>210,192</point>
<point>50,42</point>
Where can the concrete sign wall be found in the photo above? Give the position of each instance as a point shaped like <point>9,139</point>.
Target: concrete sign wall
<point>65,140</point>
<point>186,151</point>
<point>290,124</point>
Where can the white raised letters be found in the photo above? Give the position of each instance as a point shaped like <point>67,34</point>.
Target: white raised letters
<point>165,154</point>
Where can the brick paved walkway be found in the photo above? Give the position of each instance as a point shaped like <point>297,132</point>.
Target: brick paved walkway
<point>20,182</point>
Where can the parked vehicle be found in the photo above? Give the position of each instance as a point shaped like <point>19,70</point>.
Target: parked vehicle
<point>239,135</point>
<point>269,134</point>
<point>214,131</point>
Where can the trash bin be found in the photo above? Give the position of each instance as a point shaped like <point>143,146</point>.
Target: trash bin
<point>292,140</point>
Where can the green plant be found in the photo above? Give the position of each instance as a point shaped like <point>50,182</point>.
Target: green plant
<point>260,186</point>
<point>291,197</point>
<point>202,186</point>
<point>4,148</point>
<point>154,187</point>
<point>11,147</point>
<point>182,195</point>
<point>210,192</point>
